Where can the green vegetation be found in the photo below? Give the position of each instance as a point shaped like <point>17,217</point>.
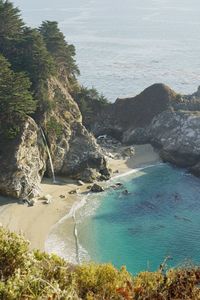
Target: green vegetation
<point>54,127</point>
<point>11,24</point>
<point>15,99</point>
<point>62,52</point>
<point>35,275</point>
<point>90,103</point>
<point>33,57</point>
<point>38,53</point>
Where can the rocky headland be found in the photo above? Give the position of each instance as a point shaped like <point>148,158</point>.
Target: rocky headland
<point>170,122</point>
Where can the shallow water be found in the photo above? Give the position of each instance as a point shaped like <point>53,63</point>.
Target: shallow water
<point>124,46</point>
<point>159,218</point>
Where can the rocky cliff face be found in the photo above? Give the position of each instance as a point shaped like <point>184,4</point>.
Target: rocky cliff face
<point>22,162</point>
<point>74,150</point>
<point>177,136</point>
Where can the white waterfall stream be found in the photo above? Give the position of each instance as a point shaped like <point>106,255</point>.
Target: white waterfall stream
<point>49,155</point>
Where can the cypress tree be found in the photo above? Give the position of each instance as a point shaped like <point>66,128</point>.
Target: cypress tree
<point>62,52</point>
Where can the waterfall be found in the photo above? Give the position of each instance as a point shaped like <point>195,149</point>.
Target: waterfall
<point>49,154</point>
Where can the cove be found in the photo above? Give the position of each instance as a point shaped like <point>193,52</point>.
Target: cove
<point>159,217</point>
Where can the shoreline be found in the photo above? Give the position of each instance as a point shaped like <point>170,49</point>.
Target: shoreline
<point>37,222</point>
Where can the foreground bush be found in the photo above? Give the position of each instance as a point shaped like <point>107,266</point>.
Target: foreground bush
<point>35,275</point>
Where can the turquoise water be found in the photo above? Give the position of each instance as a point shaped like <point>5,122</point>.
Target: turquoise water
<point>160,217</point>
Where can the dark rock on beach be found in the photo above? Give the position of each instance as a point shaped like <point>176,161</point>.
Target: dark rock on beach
<point>96,188</point>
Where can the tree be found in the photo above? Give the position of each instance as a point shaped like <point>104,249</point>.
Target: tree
<point>29,54</point>
<point>11,23</point>
<point>15,97</point>
<point>90,103</point>
<point>62,52</point>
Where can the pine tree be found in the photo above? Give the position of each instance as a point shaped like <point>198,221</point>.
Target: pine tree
<point>62,52</point>
<point>11,23</point>
<point>29,54</point>
<point>15,98</point>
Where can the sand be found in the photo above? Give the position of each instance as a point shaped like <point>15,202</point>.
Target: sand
<point>36,222</point>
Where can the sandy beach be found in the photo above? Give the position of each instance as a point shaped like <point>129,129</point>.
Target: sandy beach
<point>36,222</point>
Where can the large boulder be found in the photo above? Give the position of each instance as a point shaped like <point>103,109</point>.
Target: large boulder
<point>22,162</point>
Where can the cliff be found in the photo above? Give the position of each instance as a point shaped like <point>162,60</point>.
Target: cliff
<point>24,159</point>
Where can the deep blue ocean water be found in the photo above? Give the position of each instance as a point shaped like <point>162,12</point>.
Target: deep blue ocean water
<point>159,218</point>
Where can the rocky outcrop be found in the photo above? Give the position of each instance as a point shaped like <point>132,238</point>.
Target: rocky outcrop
<point>22,162</point>
<point>74,151</point>
<point>177,136</point>
<point>169,121</point>
<point>135,112</point>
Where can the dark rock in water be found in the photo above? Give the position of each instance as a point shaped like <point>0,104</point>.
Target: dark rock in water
<point>96,188</point>
<point>125,192</point>
<point>119,184</point>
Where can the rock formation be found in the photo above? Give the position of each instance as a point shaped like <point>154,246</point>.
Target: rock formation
<point>135,112</point>
<point>177,136</point>
<point>169,121</point>
<point>74,151</point>
<point>22,162</point>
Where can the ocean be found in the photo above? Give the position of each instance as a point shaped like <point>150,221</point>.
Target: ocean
<point>123,46</point>
<point>157,219</point>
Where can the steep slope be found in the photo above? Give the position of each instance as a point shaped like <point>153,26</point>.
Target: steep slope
<point>74,150</point>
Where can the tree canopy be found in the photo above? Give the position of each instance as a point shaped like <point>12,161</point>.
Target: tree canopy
<point>15,97</point>
<point>62,52</point>
<point>11,23</point>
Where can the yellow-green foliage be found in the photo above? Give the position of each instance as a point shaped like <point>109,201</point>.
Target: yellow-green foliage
<point>31,275</point>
